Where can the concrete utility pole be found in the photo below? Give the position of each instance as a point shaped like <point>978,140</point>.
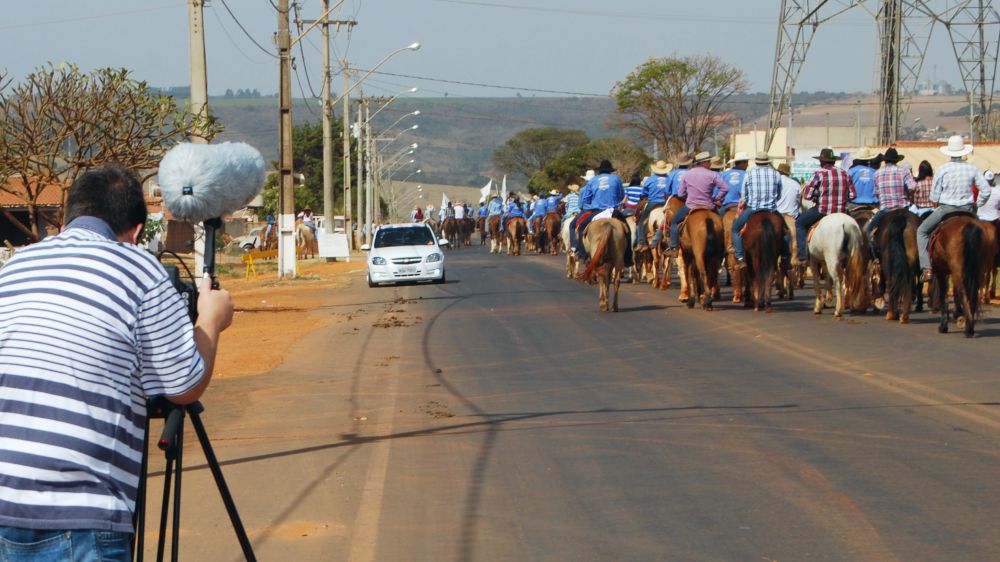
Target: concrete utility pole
<point>286,198</point>
<point>346,118</point>
<point>360,193</point>
<point>199,100</point>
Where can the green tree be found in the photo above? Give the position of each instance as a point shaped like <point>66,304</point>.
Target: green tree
<point>677,101</point>
<point>531,150</point>
<point>624,154</point>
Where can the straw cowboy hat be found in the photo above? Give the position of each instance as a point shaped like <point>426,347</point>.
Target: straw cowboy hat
<point>715,164</point>
<point>661,167</point>
<point>762,158</point>
<point>956,147</point>
<point>865,154</point>
<point>554,192</point>
<point>784,169</point>
<point>826,155</point>
<point>684,160</point>
<point>892,156</point>
<point>573,187</point>
<point>702,157</point>
<point>740,157</point>
<point>589,175</point>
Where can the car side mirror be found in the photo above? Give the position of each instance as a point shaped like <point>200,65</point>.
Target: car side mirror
<point>443,242</point>
<point>365,247</point>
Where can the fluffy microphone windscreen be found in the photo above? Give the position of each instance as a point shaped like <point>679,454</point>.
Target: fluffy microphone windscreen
<point>204,181</point>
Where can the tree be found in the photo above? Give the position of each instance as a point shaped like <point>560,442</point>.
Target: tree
<point>625,155</point>
<point>677,101</point>
<point>59,122</point>
<point>307,159</point>
<point>531,150</point>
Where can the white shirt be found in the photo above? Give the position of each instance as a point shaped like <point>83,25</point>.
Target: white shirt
<point>991,210</point>
<point>788,201</point>
<point>460,212</point>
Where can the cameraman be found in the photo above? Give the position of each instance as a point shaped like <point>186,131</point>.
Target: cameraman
<point>90,327</point>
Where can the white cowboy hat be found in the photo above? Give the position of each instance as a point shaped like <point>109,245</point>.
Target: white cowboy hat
<point>740,157</point>
<point>661,167</point>
<point>554,192</point>
<point>589,175</point>
<point>864,154</point>
<point>956,147</point>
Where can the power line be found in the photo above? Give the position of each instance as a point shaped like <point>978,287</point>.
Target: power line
<point>231,40</point>
<point>302,51</point>
<point>298,79</point>
<point>483,85</point>
<point>84,18</point>
<point>245,32</point>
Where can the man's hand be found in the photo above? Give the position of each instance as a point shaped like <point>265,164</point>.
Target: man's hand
<point>215,307</point>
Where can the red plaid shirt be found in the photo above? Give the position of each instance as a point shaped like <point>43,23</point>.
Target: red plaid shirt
<point>834,187</point>
<point>892,185</point>
<point>922,193</point>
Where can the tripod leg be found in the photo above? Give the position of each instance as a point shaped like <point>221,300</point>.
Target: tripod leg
<point>176,536</point>
<point>167,475</point>
<point>139,517</point>
<point>220,482</point>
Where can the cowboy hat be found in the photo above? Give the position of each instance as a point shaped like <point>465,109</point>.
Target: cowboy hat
<point>956,147</point>
<point>605,167</point>
<point>661,167</point>
<point>573,187</point>
<point>684,160</point>
<point>827,155</point>
<point>784,169</point>
<point>740,157</point>
<point>762,158</point>
<point>891,155</point>
<point>554,192</point>
<point>715,164</point>
<point>589,175</point>
<point>865,154</point>
<point>702,157</point>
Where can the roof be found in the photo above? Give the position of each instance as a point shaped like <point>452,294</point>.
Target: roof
<point>12,194</point>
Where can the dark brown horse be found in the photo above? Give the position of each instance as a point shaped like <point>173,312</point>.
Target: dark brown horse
<point>270,241</point>
<point>703,246</point>
<point>481,227</point>
<point>496,237</point>
<point>450,230</point>
<point>517,229</point>
<point>551,225</point>
<point>963,248</point>
<point>764,240</point>
<point>899,266</point>
<point>466,227</point>
<point>534,237</point>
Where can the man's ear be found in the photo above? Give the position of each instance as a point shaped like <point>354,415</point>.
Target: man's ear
<point>131,235</point>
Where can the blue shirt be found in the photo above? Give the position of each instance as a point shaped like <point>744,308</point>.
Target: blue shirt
<point>515,210</point>
<point>634,194</point>
<point>495,207</point>
<point>864,185</point>
<point>481,211</point>
<point>541,208</point>
<point>675,181</point>
<point>603,192</point>
<point>734,179</point>
<point>553,203</point>
<point>656,188</point>
<point>572,203</point>
<point>762,188</point>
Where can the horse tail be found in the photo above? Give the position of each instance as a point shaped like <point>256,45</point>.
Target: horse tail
<point>852,246</point>
<point>598,256</point>
<point>768,246</point>
<point>898,274</point>
<point>711,244</point>
<point>972,245</point>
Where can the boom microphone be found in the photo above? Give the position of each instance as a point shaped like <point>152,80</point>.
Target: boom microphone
<point>204,181</point>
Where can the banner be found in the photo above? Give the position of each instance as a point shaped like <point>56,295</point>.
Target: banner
<point>444,201</point>
<point>485,191</point>
<point>503,189</point>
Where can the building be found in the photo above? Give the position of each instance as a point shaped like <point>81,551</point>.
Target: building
<point>15,210</point>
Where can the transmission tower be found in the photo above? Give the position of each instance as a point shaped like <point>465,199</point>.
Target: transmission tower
<point>904,28</point>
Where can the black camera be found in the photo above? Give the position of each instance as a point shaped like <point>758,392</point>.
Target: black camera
<point>188,290</point>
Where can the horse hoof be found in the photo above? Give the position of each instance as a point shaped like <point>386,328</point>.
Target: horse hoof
<point>890,316</point>
<point>768,309</point>
<point>942,328</point>
<point>690,303</point>
<point>904,319</point>
<point>817,311</point>
<point>960,322</point>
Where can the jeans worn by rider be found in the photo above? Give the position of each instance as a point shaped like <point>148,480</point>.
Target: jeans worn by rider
<point>831,187</point>
<point>698,186</point>
<point>761,192</point>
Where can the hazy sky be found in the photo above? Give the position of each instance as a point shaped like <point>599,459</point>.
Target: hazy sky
<point>564,45</point>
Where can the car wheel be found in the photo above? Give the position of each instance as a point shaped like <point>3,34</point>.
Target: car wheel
<point>248,246</point>
<point>370,283</point>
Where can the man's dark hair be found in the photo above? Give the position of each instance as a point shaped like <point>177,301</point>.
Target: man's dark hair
<point>111,193</point>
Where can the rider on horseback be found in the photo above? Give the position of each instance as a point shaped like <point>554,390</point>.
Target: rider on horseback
<point>760,192</point>
<point>552,201</point>
<point>862,174</point>
<point>701,188</point>
<point>538,211</point>
<point>892,187</point>
<point>655,190</point>
<point>734,179</point>
<point>633,193</point>
<point>832,187</point>
<point>603,192</point>
<point>952,191</point>
<point>514,209</point>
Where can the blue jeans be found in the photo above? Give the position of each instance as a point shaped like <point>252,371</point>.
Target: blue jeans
<point>675,225</point>
<point>738,225</point>
<point>804,221</point>
<point>17,545</point>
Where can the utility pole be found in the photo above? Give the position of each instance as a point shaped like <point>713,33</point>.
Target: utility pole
<point>286,198</point>
<point>361,150</point>
<point>346,118</point>
<point>199,101</point>
<point>369,214</point>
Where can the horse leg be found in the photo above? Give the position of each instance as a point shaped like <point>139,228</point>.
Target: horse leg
<point>817,286</point>
<point>941,294</point>
<point>768,283</point>
<point>603,292</point>
<point>616,279</point>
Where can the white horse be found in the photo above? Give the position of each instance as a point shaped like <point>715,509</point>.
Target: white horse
<point>571,261</point>
<point>837,255</point>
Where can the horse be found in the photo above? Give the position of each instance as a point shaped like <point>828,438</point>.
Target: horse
<point>551,225</point>
<point>703,246</point>
<point>571,260</point>
<point>305,239</point>
<point>606,241</point>
<point>837,256</point>
<point>965,249</point>
<point>270,241</point>
<point>651,259</point>
<point>483,231</point>
<point>517,228</point>
<point>533,239</point>
<point>764,240</point>
<point>496,238</point>
<point>449,230</point>
<point>989,291</point>
<point>737,274</point>
<point>899,268</point>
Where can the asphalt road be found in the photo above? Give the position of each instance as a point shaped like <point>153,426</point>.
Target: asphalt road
<point>501,416</point>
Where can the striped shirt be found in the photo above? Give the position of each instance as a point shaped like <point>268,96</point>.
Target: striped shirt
<point>953,183</point>
<point>572,203</point>
<point>833,187</point>
<point>632,195</point>
<point>761,188</point>
<point>892,185</point>
<point>89,328</point>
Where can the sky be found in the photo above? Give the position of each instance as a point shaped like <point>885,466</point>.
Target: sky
<point>572,46</point>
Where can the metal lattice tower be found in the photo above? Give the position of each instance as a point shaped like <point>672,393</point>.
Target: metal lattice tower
<point>905,28</point>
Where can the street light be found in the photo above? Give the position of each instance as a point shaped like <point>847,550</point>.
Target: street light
<point>413,113</point>
<point>410,47</point>
<point>392,99</point>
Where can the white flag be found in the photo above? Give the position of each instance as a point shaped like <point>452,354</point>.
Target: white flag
<point>485,191</point>
<point>503,189</point>
<point>444,201</point>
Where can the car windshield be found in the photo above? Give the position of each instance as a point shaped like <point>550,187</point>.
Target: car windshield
<point>407,236</point>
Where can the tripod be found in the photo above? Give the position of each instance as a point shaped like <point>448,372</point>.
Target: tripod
<point>172,443</point>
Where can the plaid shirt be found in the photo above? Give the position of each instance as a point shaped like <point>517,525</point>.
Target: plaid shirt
<point>953,184</point>
<point>922,193</point>
<point>761,189</point>
<point>891,186</point>
<point>833,187</point>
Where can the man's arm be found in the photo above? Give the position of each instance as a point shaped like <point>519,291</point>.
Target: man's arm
<point>215,314</point>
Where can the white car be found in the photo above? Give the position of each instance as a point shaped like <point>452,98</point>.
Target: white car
<point>405,252</point>
<point>248,241</point>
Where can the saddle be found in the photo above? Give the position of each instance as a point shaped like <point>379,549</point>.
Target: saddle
<point>743,231</point>
<point>937,229</point>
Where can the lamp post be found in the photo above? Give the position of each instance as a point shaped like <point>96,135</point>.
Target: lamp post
<point>404,116</point>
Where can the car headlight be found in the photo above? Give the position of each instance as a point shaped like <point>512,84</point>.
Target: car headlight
<point>431,258</point>
<point>378,260</point>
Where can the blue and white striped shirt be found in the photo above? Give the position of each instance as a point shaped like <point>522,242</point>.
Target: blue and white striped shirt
<point>89,328</point>
<point>761,188</point>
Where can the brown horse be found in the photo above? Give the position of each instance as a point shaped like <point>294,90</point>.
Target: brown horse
<point>496,238</point>
<point>481,227</point>
<point>989,291</point>
<point>899,266</point>
<point>551,225</point>
<point>305,240</point>
<point>737,274</point>
<point>703,246</point>
<point>606,241</point>
<point>449,230</point>
<point>517,229</point>
<point>965,249</point>
<point>270,241</point>
<point>764,240</point>
<point>664,264</point>
<point>533,239</point>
